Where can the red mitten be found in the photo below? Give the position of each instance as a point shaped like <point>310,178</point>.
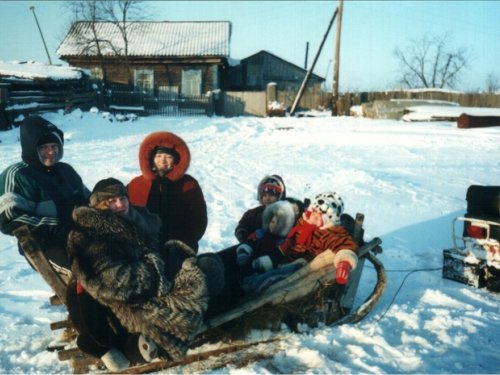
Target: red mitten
<point>342,272</point>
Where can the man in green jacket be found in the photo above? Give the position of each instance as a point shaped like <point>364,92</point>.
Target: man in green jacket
<point>41,191</point>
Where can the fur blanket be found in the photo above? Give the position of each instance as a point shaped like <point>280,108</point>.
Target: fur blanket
<point>112,262</point>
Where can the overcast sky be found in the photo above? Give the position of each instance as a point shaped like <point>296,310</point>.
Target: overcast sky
<point>370,32</point>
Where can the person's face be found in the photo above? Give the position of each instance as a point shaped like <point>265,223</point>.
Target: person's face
<point>164,162</point>
<point>48,153</point>
<point>268,198</point>
<point>272,224</point>
<point>314,217</point>
<point>119,205</point>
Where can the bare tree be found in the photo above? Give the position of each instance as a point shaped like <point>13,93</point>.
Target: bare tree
<point>431,62</point>
<point>95,11</point>
<point>120,12</point>
<point>492,83</point>
<point>91,12</point>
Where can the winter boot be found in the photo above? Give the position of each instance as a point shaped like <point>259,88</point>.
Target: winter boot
<point>147,348</point>
<point>115,361</point>
<point>213,268</point>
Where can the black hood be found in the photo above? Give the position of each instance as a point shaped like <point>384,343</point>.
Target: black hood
<point>32,130</point>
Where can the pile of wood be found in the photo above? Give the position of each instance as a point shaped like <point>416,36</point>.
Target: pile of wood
<point>22,97</point>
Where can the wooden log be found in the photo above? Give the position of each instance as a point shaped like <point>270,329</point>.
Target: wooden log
<point>67,323</point>
<point>466,121</point>
<point>55,300</point>
<point>196,357</point>
<point>67,354</point>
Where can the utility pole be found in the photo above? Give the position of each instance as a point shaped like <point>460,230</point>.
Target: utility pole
<point>335,91</point>
<point>307,54</point>
<point>309,72</point>
<point>32,8</point>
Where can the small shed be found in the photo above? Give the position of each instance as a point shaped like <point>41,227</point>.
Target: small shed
<point>255,72</point>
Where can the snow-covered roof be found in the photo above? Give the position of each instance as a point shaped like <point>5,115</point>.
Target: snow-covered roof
<point>150,39</point>
<point>36,70</point>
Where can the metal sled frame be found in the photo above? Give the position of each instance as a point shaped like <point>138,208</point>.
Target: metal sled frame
<point>321,270</point>
<point>485,224</point>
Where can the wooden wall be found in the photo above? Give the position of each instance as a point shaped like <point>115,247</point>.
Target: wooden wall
<point>166,73</point>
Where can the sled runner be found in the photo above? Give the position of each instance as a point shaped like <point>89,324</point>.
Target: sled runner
<point>308,296</point>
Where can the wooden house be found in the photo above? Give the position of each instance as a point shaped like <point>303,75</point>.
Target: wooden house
<point>167,59</point>
<point>255,72</point>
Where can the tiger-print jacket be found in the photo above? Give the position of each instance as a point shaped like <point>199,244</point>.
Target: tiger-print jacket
<point>334,237</point>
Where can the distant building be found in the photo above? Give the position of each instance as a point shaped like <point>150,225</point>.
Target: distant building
<point>256,71</point>
<point>164,58</point>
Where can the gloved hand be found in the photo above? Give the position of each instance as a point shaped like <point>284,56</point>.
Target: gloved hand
<point>345,260</point>
<point>243,254</point>
<point>241,234</point>
<point>263,264</point>
<point>342,272</point>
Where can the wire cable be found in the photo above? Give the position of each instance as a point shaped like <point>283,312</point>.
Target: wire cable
<point>401,286</point>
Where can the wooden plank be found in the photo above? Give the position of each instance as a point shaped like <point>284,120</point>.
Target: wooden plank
<point>67,323</point>
<point>35,255</point>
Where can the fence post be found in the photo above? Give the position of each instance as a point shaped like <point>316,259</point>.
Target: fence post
<point>4,98</point>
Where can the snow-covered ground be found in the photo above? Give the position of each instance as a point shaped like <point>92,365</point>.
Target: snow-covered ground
<point>409,179</point>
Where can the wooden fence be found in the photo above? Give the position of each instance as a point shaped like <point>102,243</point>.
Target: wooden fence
<point>141,102</point>
<point>24,97</point>
<point>487,100</point>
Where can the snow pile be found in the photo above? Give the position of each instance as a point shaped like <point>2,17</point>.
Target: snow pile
<point>36,70</point>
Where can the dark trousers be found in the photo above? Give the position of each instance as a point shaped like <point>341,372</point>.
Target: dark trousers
<point>232,292</point>
<point>98,328</point>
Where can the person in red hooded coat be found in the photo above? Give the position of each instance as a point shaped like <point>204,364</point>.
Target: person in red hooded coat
<point>165,188</point>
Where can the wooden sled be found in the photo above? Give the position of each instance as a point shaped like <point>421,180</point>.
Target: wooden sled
<point>310,296</point>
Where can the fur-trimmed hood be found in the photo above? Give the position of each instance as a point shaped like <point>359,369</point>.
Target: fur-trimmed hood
<point>285,215</point>
<point>168,140</point>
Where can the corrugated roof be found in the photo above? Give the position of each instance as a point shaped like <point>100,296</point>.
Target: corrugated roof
<point>150,39</point>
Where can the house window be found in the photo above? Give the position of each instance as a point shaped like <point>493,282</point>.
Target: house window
<point>168,92</point>
<point>144,79</point>
<point>191,82</point>
<point>96,73</point>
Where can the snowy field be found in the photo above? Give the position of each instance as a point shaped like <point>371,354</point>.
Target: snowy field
<point>409,179</point>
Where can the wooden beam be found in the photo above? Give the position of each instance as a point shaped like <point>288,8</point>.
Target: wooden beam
<point>36,257</point>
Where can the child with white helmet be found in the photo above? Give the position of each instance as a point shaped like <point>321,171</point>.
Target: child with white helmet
<point>316,231</point>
